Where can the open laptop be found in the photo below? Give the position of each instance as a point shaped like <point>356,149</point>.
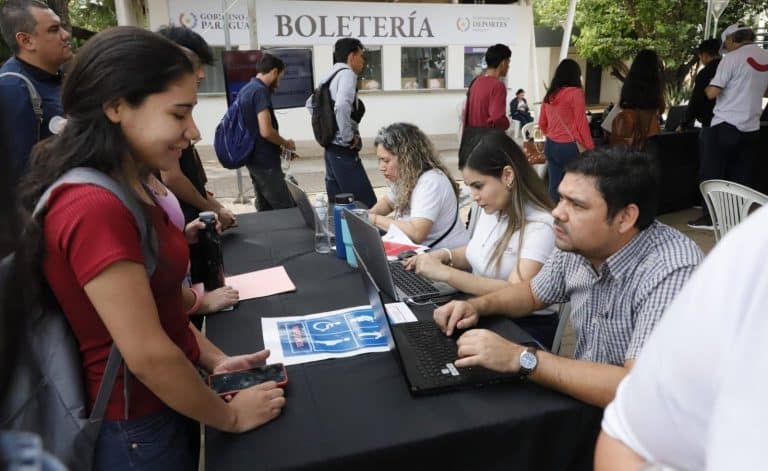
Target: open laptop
<point>426,354</point>
<point>675,117</point>
<point>305,207</point>
<point>391,277</point>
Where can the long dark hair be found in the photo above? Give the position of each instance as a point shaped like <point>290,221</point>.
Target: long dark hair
<point>493,151</point>
<point>643,88</point>
<point>567,74</point>
<point>123,63</point>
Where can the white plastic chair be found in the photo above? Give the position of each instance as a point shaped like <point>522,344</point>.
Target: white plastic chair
<point>729,203</point>
<point>565,314</point>
<point>529,130</point>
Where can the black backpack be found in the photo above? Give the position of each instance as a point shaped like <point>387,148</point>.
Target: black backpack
<point>324,123</point>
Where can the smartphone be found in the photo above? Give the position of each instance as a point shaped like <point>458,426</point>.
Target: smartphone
<point>229,384</point>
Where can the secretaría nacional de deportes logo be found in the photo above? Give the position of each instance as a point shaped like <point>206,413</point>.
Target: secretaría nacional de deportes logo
<point>188,20</point>
<point>462,24</point>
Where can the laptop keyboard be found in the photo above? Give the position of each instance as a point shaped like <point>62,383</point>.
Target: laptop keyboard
<point>435,354</point>
<point>409,282</point>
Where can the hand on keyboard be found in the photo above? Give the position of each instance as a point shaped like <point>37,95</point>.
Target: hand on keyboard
<point>481,347</point>
<point>456,314</point>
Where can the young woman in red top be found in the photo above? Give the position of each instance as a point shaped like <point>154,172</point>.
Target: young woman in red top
<point>129,98</point>
<point>563,120</point>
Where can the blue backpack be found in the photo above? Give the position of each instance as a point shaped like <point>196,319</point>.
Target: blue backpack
<point>234,141</point>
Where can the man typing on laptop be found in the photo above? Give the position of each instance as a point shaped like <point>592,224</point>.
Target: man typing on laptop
<point>617,266</point>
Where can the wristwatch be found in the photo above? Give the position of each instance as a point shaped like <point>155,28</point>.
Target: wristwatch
<point>528,361</point>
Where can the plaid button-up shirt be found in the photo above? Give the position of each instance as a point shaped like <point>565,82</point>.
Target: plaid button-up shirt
<point>615,308</point>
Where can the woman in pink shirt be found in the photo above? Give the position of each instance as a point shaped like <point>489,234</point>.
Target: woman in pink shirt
<point>563,120</point>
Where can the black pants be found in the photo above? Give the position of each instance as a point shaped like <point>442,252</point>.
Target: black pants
<point>270,188</point>
<point>727,153</point>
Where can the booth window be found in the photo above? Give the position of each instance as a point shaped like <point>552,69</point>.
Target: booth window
<point>474,63</point>
<point>370,78</point>
<point>422,67</point>
<point>214,74</point>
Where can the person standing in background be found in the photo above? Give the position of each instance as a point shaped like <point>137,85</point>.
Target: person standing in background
<point>187,179</point>
<point>344,172</point>
<point>40,45</point>
<point>564,121</point>
<point>487,97</point>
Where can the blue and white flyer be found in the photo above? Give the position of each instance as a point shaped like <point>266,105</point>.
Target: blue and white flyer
<point>334,334</point>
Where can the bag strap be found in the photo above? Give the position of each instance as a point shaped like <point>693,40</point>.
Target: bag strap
<point>34,97</point>
<point>466,106</point>
<point>327,83</point>
<point>445,234</point>
<point>149,247</point>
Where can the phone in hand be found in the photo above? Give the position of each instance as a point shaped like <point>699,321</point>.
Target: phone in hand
<point>229,384</point>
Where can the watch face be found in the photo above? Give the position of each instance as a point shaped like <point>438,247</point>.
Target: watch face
<point>528,361</point>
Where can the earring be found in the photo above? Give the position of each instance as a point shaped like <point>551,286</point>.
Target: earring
<point>509,186</point>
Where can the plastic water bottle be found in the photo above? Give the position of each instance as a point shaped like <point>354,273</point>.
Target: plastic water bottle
<point>322,243</point>
<point>343,200</point>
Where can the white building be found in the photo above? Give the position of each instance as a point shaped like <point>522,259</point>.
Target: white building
<point>420,57</point>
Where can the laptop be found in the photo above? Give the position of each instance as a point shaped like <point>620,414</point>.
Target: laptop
<point>426,354</point>
<point>398,283</point>
<point>306,209</point>
<point>675,117</point>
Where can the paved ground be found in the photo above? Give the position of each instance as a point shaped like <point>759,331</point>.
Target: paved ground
<point>309,170</point>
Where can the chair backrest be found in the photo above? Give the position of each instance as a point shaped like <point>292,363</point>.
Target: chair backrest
<point>564,313</point>
<point>529,130</point>
<point>729,203</point>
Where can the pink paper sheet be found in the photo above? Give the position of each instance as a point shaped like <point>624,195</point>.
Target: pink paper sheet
<point>261,283</point>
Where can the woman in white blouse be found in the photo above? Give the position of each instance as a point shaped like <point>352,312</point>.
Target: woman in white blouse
<point>513,234</point>
<point>423,198</point>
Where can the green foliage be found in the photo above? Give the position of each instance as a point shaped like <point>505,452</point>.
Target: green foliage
<point>91,15</point>
<point>611,31</point>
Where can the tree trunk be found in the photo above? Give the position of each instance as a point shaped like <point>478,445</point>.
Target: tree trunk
<point>61,7</point>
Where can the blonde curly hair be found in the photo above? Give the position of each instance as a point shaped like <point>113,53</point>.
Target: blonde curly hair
<point>415,155</point>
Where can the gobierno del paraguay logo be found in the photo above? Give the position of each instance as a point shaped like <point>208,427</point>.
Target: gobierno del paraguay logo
<point>462,24</point>
<point>188,20</point>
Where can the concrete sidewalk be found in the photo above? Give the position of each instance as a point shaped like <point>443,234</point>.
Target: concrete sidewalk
<point>309,170</point>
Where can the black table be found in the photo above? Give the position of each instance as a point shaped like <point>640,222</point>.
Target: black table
<point>357,413</point>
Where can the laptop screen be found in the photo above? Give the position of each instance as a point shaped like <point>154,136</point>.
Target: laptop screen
<point>367,244</point>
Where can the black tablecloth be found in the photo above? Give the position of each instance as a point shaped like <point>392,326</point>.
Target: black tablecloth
<point>357,412</point>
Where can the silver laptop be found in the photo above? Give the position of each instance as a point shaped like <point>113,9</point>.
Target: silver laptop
<point>398,283</point>
<point>306,209</point>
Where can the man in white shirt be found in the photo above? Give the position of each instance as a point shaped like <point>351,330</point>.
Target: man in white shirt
<point>739,84</point>
<point>696,396</point>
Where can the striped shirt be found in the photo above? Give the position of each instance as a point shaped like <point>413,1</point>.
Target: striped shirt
<point>615,308</point>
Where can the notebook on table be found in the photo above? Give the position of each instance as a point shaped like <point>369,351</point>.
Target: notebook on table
<point>426,354</point>
<point>397,282</point>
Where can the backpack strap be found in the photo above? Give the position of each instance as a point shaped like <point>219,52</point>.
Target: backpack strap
<point>445,234</point>
<point>94,177</point>
<point>149,247</point>
<point>34,97</point>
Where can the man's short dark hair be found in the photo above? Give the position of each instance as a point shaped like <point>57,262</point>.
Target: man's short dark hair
<point>743,35</point>
<point>269,62</point>
<point>15,17</point>
<point>710,46</point>
<point>189,39</point>
<point>495,54</point>
<point>623,177</point>
<point>344,47</point>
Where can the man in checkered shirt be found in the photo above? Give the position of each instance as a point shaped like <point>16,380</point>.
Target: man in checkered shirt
<point>614,262</point>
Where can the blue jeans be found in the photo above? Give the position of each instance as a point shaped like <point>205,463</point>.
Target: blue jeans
<point>344,173</point>
<point>161,441</point>
<point>558,157</point>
